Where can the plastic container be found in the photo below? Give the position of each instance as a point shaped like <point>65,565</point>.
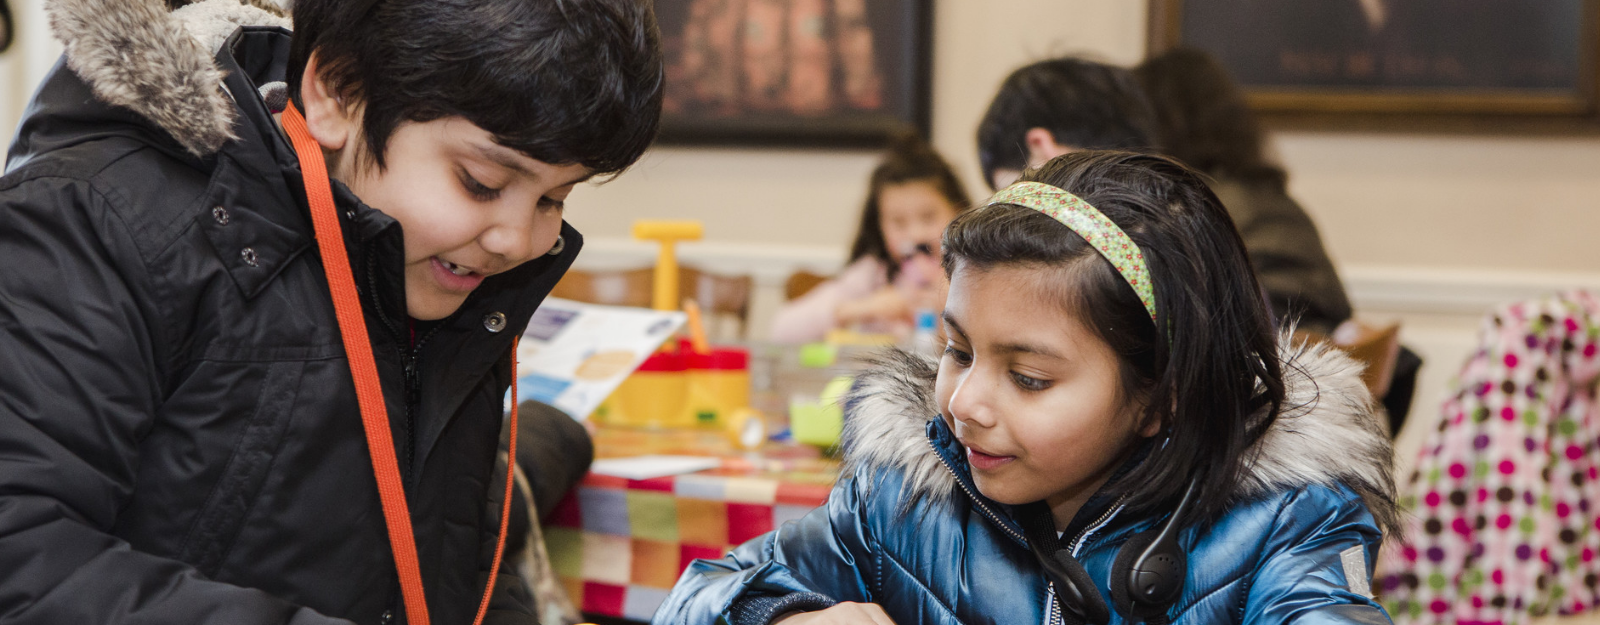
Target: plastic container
<point>719,384</point>
<point>652,397</point>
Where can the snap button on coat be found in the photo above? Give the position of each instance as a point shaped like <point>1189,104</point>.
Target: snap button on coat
<point>221,215</point>
<point>249,257</point>
<point>494,322</point>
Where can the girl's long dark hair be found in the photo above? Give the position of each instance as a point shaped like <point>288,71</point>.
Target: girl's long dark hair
<point>1208,366</point>
<point>909,159</point>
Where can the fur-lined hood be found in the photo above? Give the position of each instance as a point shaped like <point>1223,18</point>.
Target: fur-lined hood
<point>160,64</point>
<point>1327,433</point>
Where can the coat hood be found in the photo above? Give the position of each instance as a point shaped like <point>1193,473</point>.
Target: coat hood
<point>160,64</point>
<point>1327,433</point>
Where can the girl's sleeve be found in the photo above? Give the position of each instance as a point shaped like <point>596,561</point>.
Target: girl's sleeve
<point>1317,567</point>
<point>809,317</point>
<point>805,565</point>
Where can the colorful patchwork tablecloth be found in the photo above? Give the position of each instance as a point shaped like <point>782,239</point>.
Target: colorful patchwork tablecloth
<point>618,545</point>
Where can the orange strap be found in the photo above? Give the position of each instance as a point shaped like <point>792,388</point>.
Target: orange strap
<point>369,391</point>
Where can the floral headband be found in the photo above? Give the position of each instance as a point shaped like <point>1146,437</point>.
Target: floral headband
<point>1092,225</point>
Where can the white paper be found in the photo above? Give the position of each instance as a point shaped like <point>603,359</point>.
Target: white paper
<point>647,467</point>
<point>573,355</point>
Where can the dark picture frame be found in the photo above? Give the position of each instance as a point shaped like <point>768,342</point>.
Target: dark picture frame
<point>822,73</point>
<point>1450,65</point>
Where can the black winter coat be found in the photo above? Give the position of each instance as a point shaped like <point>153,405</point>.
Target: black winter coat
<point>179,436</point>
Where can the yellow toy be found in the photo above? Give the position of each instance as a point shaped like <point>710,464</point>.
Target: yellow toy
<point>667,233</point>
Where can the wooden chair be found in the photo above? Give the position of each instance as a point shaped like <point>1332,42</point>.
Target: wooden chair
<point>1376,347</point>
<point>800,283</point>
<point>722,298</point>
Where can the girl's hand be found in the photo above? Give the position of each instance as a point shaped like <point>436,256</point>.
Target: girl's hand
<point>885,306</point>
<point>841,614</point>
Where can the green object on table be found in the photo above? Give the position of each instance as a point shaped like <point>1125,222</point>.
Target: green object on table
<point>821,422</point>
<point>818,355</point>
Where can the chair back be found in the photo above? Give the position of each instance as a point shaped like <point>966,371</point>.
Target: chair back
<point>800,283</point>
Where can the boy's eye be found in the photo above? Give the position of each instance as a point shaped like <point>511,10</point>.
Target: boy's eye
<point>550,203</point>
<point>1029,384</point>
<point>478,190</point>
<point>962,358</point>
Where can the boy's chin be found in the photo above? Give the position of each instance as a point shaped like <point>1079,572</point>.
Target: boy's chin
<point>434,308</point>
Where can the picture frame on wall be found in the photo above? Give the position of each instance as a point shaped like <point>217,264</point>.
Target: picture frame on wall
<point>795,72</point>
<point>1469,64</point>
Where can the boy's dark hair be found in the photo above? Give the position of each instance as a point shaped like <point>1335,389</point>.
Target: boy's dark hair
<point>1207,369</point>
<point>1084,104</point>
<point>909,159</point>
<point>563,81</point>
<point>1202,116</point>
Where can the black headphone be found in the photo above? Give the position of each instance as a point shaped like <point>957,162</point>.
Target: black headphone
<point>1146,577</point>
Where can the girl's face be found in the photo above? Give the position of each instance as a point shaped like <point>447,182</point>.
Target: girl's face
<point>1030,392</point>
<point>912,213</point>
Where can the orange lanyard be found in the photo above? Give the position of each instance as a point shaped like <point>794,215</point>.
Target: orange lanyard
<point>369,392</point>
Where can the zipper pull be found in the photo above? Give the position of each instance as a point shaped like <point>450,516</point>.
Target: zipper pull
<point>413,380</point>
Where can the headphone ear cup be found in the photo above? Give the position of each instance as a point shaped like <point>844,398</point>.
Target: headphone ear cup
<point>1078,589</point>
<point>1142,590</point>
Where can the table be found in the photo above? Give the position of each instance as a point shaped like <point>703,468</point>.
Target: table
<point>619,545</point>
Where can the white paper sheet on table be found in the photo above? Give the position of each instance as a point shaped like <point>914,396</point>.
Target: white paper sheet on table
<point>573,355</point>
<point>647,467</point>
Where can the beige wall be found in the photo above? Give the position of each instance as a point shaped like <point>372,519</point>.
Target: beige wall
<point>1381,200</point>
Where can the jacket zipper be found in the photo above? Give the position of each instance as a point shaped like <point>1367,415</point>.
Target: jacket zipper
<point>1050,596</point>
<point>985,509</point>
<point>413,393</point>
<point>1052,608</point>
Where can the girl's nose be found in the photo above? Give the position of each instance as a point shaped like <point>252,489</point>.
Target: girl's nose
<point>970,404</point>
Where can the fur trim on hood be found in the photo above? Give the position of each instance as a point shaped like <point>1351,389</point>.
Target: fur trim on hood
<point>137,55</point>
<point>1326,434</point>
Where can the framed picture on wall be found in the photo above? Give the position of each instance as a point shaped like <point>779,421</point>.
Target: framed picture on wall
<point>1475,60</point>
<point>795,72</point>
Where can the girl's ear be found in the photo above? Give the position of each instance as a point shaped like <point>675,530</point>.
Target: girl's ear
<point>330,121</point>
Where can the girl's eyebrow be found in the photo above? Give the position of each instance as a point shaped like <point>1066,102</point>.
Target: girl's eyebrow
<point>1008,348</point>
<point>1028,348</point>
<point>951,321</point>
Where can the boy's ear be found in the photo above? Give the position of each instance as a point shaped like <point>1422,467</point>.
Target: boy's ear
<point>1042,146</point>
<point>330,121</point>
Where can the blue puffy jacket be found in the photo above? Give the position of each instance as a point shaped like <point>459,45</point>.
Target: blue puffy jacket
<point>906,529</point>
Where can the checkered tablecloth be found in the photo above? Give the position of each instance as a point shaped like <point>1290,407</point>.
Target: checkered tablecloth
<point>618,545</point>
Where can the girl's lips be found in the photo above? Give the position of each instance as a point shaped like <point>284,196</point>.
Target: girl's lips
<point>452,282</point>
<point>985,462</point>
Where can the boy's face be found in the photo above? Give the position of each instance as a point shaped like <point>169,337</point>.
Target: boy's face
<point>469,207</point>
<point>1030,392</point>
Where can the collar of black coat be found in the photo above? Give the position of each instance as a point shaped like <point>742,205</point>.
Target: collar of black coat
<point>1326,435</point>
<point>175,82</point>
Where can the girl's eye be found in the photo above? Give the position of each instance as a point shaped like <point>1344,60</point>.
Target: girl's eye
<point>962,358</point>
<point>1029,384</point>
<point>547,203</point>
<point>478,190</point>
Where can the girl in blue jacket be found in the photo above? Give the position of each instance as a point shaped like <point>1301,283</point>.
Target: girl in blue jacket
<point>1115,433</point>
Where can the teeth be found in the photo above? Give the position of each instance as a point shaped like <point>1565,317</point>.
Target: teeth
<point>455,269</point>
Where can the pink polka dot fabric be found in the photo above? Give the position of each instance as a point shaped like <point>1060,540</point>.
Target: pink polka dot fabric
<point>1504,505</point>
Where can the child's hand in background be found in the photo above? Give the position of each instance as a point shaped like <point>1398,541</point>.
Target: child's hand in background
<point>887,306</point>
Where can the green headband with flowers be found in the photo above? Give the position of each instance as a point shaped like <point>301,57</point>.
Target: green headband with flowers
<point>1101,233</point>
